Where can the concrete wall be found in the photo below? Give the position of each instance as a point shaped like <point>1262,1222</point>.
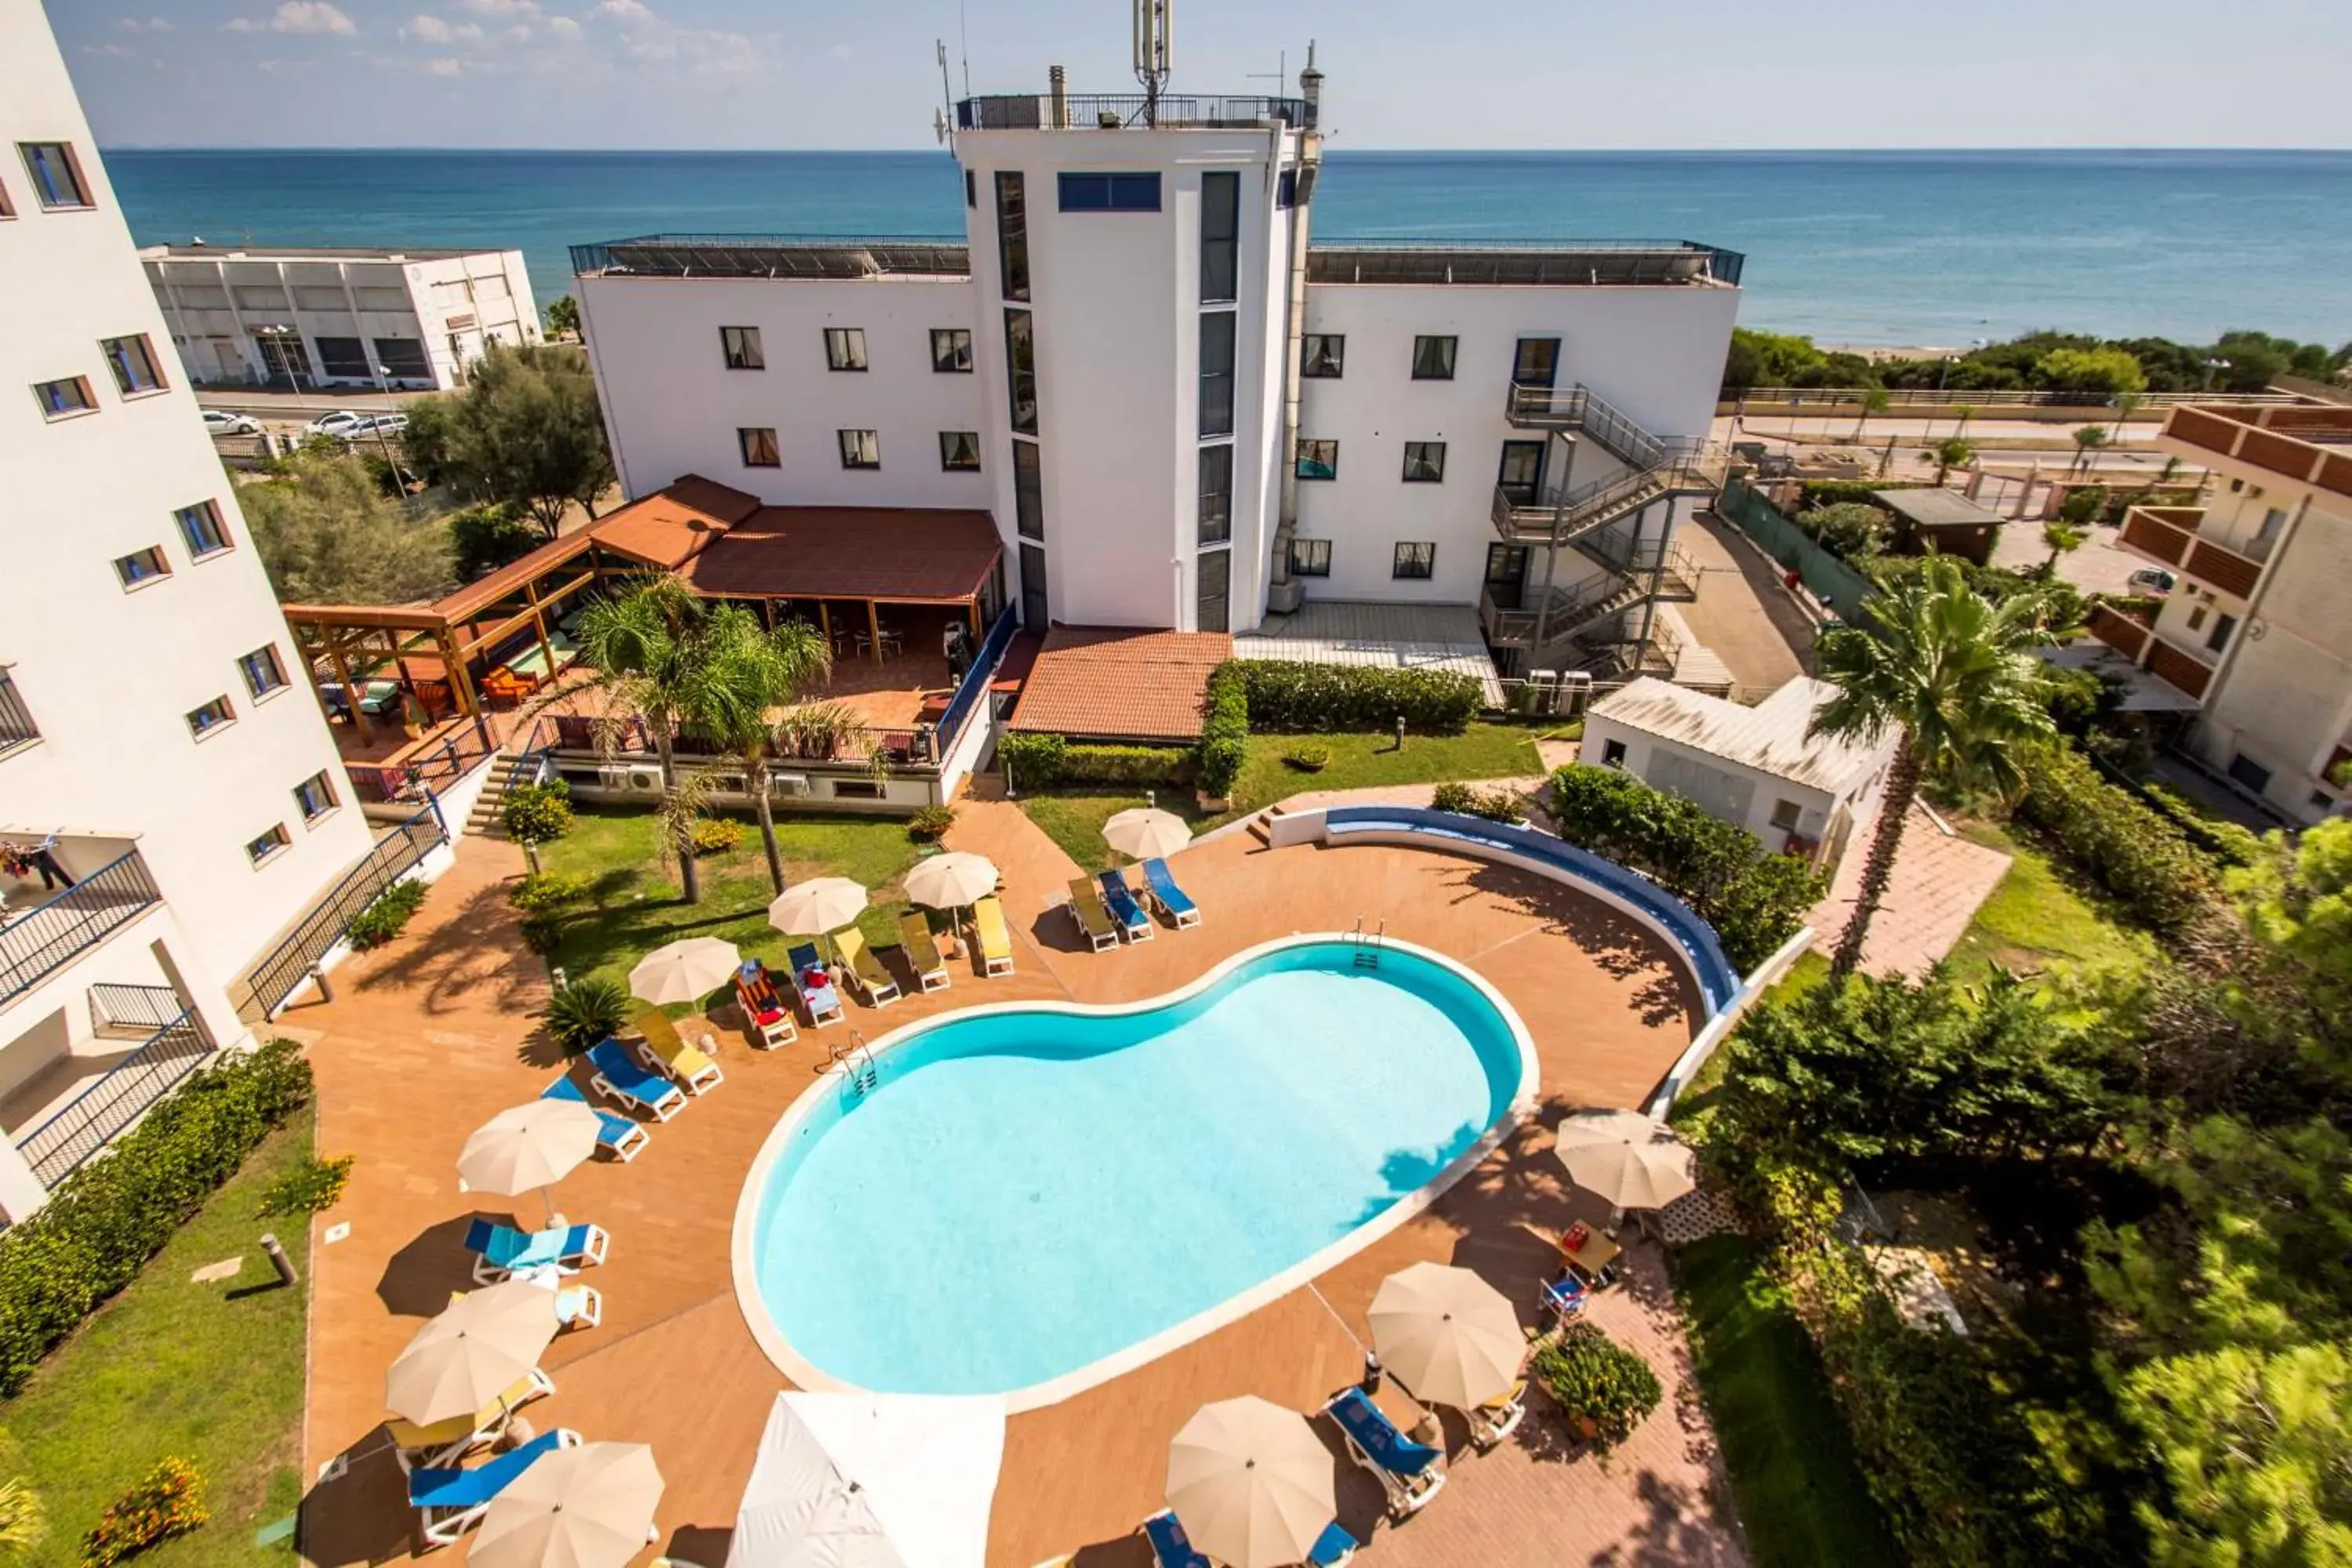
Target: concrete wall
<point>1739,794</point>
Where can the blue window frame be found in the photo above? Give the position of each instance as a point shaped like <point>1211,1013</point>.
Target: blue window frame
<point>200,525</point>
<point>1110,193</point>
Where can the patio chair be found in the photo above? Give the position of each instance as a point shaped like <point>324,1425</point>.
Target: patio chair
<point>1094,920</point>
<point>1497,1418</point>
<point>1170,1547</point>
<point>579,1307</point>
<point>763,1008</point>
<point>865,970</point>
<point>620,1076</point>
<point>1333,1547</point>
<point>817,993</point>
<point>453,1501</point>
<point>500,1250</point>
<point>446,1442</point>
<point>1563,1298</point>
<point>922,953</point>
<point>615,1135</point>
<point>1120,899</point>
<point>664,1051</point>
<point>995,941</point>
<point>1410,1473</point>
<point>1159,886</point>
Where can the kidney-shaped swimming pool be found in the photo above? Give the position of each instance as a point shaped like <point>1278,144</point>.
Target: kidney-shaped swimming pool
<point>1032,1198</point>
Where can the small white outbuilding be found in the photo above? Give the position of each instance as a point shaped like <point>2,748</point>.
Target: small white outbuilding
<point>1755,767</point>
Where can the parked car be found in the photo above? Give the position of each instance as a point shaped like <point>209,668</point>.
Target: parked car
<point>223,422</point>
<point>372,425</point>
<point>333,423</point>
<point>2152,579</point>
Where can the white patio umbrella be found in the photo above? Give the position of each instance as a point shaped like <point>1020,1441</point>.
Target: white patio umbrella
<point>475,1350</point>
<point>589,1507</point>
<point>1146,832</point>
<point>1447,1335</point>
<point>951,880</point>
<point>872,1480</point>
<point>1634,1160</point>
<point>527,1148</point>
<point>817,907</point>
<point>686,969</point>
<point>1251,1483</point>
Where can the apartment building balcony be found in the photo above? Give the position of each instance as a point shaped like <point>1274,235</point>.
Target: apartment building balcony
<point>42,928</point>
<point>2169,535</point>
<point>147,1042</point>
<point>2182,670</point>
<point>2306,445</point>
<point>1125,111</point>
<point>16,726</point>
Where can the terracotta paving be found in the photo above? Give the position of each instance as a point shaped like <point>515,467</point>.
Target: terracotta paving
<point>430,1037</point>
<point>1939,882</point>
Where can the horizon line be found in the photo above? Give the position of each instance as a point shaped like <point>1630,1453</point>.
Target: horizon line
<point>1408,152</point>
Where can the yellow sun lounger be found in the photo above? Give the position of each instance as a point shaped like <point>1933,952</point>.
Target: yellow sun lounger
<point>922,953</point>
<point>444,1443</point>
<point>865,970</point>
<point>995,941</point>
<point>664,1051</point>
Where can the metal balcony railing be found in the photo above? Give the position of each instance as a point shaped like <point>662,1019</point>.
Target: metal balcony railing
<point>98,1115</point>
<point>1124,111</point>
<point>16,726</point>
<point>72,921</point>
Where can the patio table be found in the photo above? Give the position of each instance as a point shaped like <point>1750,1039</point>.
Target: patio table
<point>1593,1259</point>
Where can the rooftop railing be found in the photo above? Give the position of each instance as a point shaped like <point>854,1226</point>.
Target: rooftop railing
<point>1124,111</point>
<point>775,256</point>
<point>71,921</point>
<point>1557,262</point>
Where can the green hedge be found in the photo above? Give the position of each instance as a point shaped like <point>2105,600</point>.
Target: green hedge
<point>1040,760</point>
<point>1035,758</point>
<point>1314,698</point>
<point>2144,861</point>
<point>105,1221</point>
<point>1225,728</point>
<point>1754,900</point>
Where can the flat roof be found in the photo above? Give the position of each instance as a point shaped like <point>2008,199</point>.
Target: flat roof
<point>1935,507</point>
<point>1770,737</point>
<point>1378,636</point>
<point>906,554</point>
<point>775,256</point>
<point>1120,683</point>
<point>312,252</point>
<point>1548,262</point>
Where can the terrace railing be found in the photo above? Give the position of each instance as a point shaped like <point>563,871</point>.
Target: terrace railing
<point>973,688</point>
<point>16,726</point>
<point>461,752</point>
<point>72,921</point>
<point>99,1114</point>
<point>1121,110</point>
<point>275,978</point>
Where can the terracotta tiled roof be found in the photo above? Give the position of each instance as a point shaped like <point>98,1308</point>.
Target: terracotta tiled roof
<point>851,553</point>
<point>1120,683</point>
<point>667,528</point>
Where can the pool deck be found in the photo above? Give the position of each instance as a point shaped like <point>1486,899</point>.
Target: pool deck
<point>432,1036</point>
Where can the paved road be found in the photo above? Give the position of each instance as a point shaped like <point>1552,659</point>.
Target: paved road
<point>1742,614</point>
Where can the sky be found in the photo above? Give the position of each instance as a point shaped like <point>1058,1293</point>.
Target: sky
<point>692,74</point>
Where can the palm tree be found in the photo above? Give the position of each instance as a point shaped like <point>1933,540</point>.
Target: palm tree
<point>1875,400</point>
<point>1950,453</point>
<point>1947,671</point>
<point>2126,403</point>
<point>757,672</point>
<point>2087,441</point>
<point>22,1520</point>
<point>2061,536</point>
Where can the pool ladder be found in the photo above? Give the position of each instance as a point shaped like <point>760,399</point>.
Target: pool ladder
<point>1369,944</point>
<point>858,1073</point>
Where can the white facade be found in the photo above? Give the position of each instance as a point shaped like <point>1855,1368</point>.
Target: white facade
<point>122,621</point>
<point>338,317</point>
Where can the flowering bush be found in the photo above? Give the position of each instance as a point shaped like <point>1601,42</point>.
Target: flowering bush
<point>168,1502</point>
<point>1594,1377</point>
<point>717,835</point>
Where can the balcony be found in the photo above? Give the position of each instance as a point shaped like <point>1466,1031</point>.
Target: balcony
<point>51,934</point>
<point>1124,111</point>
<point>2126,634</point>
<point>1542,263</point>
<point>774,256</point>
<point>2168,534</point>
<point>16,726</point>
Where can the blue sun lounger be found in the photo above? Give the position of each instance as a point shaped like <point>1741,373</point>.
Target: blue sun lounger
<point>1410,1473</point>
<point>1333,1547</point>
<point>1124,911</point>
<point>1159,884</point>
<point>453,1501</point>
<point>1169,1545</point>
<point>615,1135</point>
<point>631,1082</point>
<point>500,1250</point>
<point>822,999</point>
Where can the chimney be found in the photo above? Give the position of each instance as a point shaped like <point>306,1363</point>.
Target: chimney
<point>1061,80</point>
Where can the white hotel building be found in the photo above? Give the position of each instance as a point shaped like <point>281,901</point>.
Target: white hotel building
<point>157,752</point>
<point>1180,412</point>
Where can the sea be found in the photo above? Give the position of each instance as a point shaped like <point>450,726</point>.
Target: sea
<point>1869,248</point>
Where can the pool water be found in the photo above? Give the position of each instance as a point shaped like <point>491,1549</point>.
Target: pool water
<point>1027,1190</point>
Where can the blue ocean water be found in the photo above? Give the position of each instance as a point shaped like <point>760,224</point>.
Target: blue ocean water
<point>1906,248</point>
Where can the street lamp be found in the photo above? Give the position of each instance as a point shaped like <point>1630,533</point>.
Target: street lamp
<point>2211,366</point>
<point>383,441</point>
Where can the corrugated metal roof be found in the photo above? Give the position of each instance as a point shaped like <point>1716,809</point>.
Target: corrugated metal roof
<point>1770,737</point>
<point>1388,637</point>
<point>1928,507</point>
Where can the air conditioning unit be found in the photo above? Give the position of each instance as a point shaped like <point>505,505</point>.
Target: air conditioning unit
<point>637,778</point>
<point>788,785</point>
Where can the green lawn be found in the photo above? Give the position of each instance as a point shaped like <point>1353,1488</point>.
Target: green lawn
<point>634,905</point>
<point>1794,1477</point>
<point>2037,917</point>
<point>212,1373</point>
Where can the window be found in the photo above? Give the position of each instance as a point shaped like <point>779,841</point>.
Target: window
<point>259,850</point>
<point>740,346</point>
<point>860,449</point>
<point>1037,608</point>
<point>345,359</point>
<point>1432,358</point>
<point>1285,188</point>
<point>1506,574</point>
<point>1216,495</point>
<point>1028,491</point>
<point>1221,218</point>
<point>1425,462</point>
<point>2219,637</point>
<point>314,796</point>
<point>2258,547</point>
<point>403,359</point>
<point>1414,558</point>
<point>950,351</point>
<point>263,672</point>
<point>1213,599</point>
<point>1321,355</point>
<point>1612,753</point>
<point>1310,558</point>
<point>971,189</point>
<point>1536,363</point>
<point>1786,814</point>
<point>960,451</point>
<point>1110,193</point>
<point>844,348</point>
<point>62,398</point>
<point>2196,618</point>
<point>1012,234</point>
<point>759,447</point>
<point>200,525</point>
<point>204,720</point>
<point>1217,373</point>
<point>1520,478</point>
<point>2249,773</point>
<point>1318,459</point>
<point>1021,371</point>
<point>57,174</point>
<point>856,789</point>
<point>143,566</point>
<point>6,210</point>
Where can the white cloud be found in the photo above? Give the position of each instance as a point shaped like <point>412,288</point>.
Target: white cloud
<point>432,29</point>
<point>448,65</point>
<point>277,68</point>
<point>565,29</point>
<point>111,51</point>
<point>150,25</point>
<point>297,16</point>
<point>470,33</point>
<point>841,51</point>
<point>628,13</point>
<point>527,9</point>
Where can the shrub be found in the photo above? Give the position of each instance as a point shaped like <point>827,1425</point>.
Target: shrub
<point>105,1221</point>
<point>1594,1377</point>
<point>535,812</point>
<point>311,1187</point>
<point>1754,900</point>
<point>1033,759</point>
<point>931,823</point>
<point>1224,728</point>
<point>488,537</point>
<point>1851,530</point>
<point>1126,765</point>
<point>1495,804</point>
<point>167,1501</point>
<point>1312,699</point>
<point>2145,862</point>
<point>543,933</point>
<point>1819,493</point>
<point>1308,759</point>
<point>585,1011</point>
<point>543,892</point>
<point>387,917</point>
<point>716,835</point>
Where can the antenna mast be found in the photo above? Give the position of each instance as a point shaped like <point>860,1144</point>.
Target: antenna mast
<point>1151,35</point>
